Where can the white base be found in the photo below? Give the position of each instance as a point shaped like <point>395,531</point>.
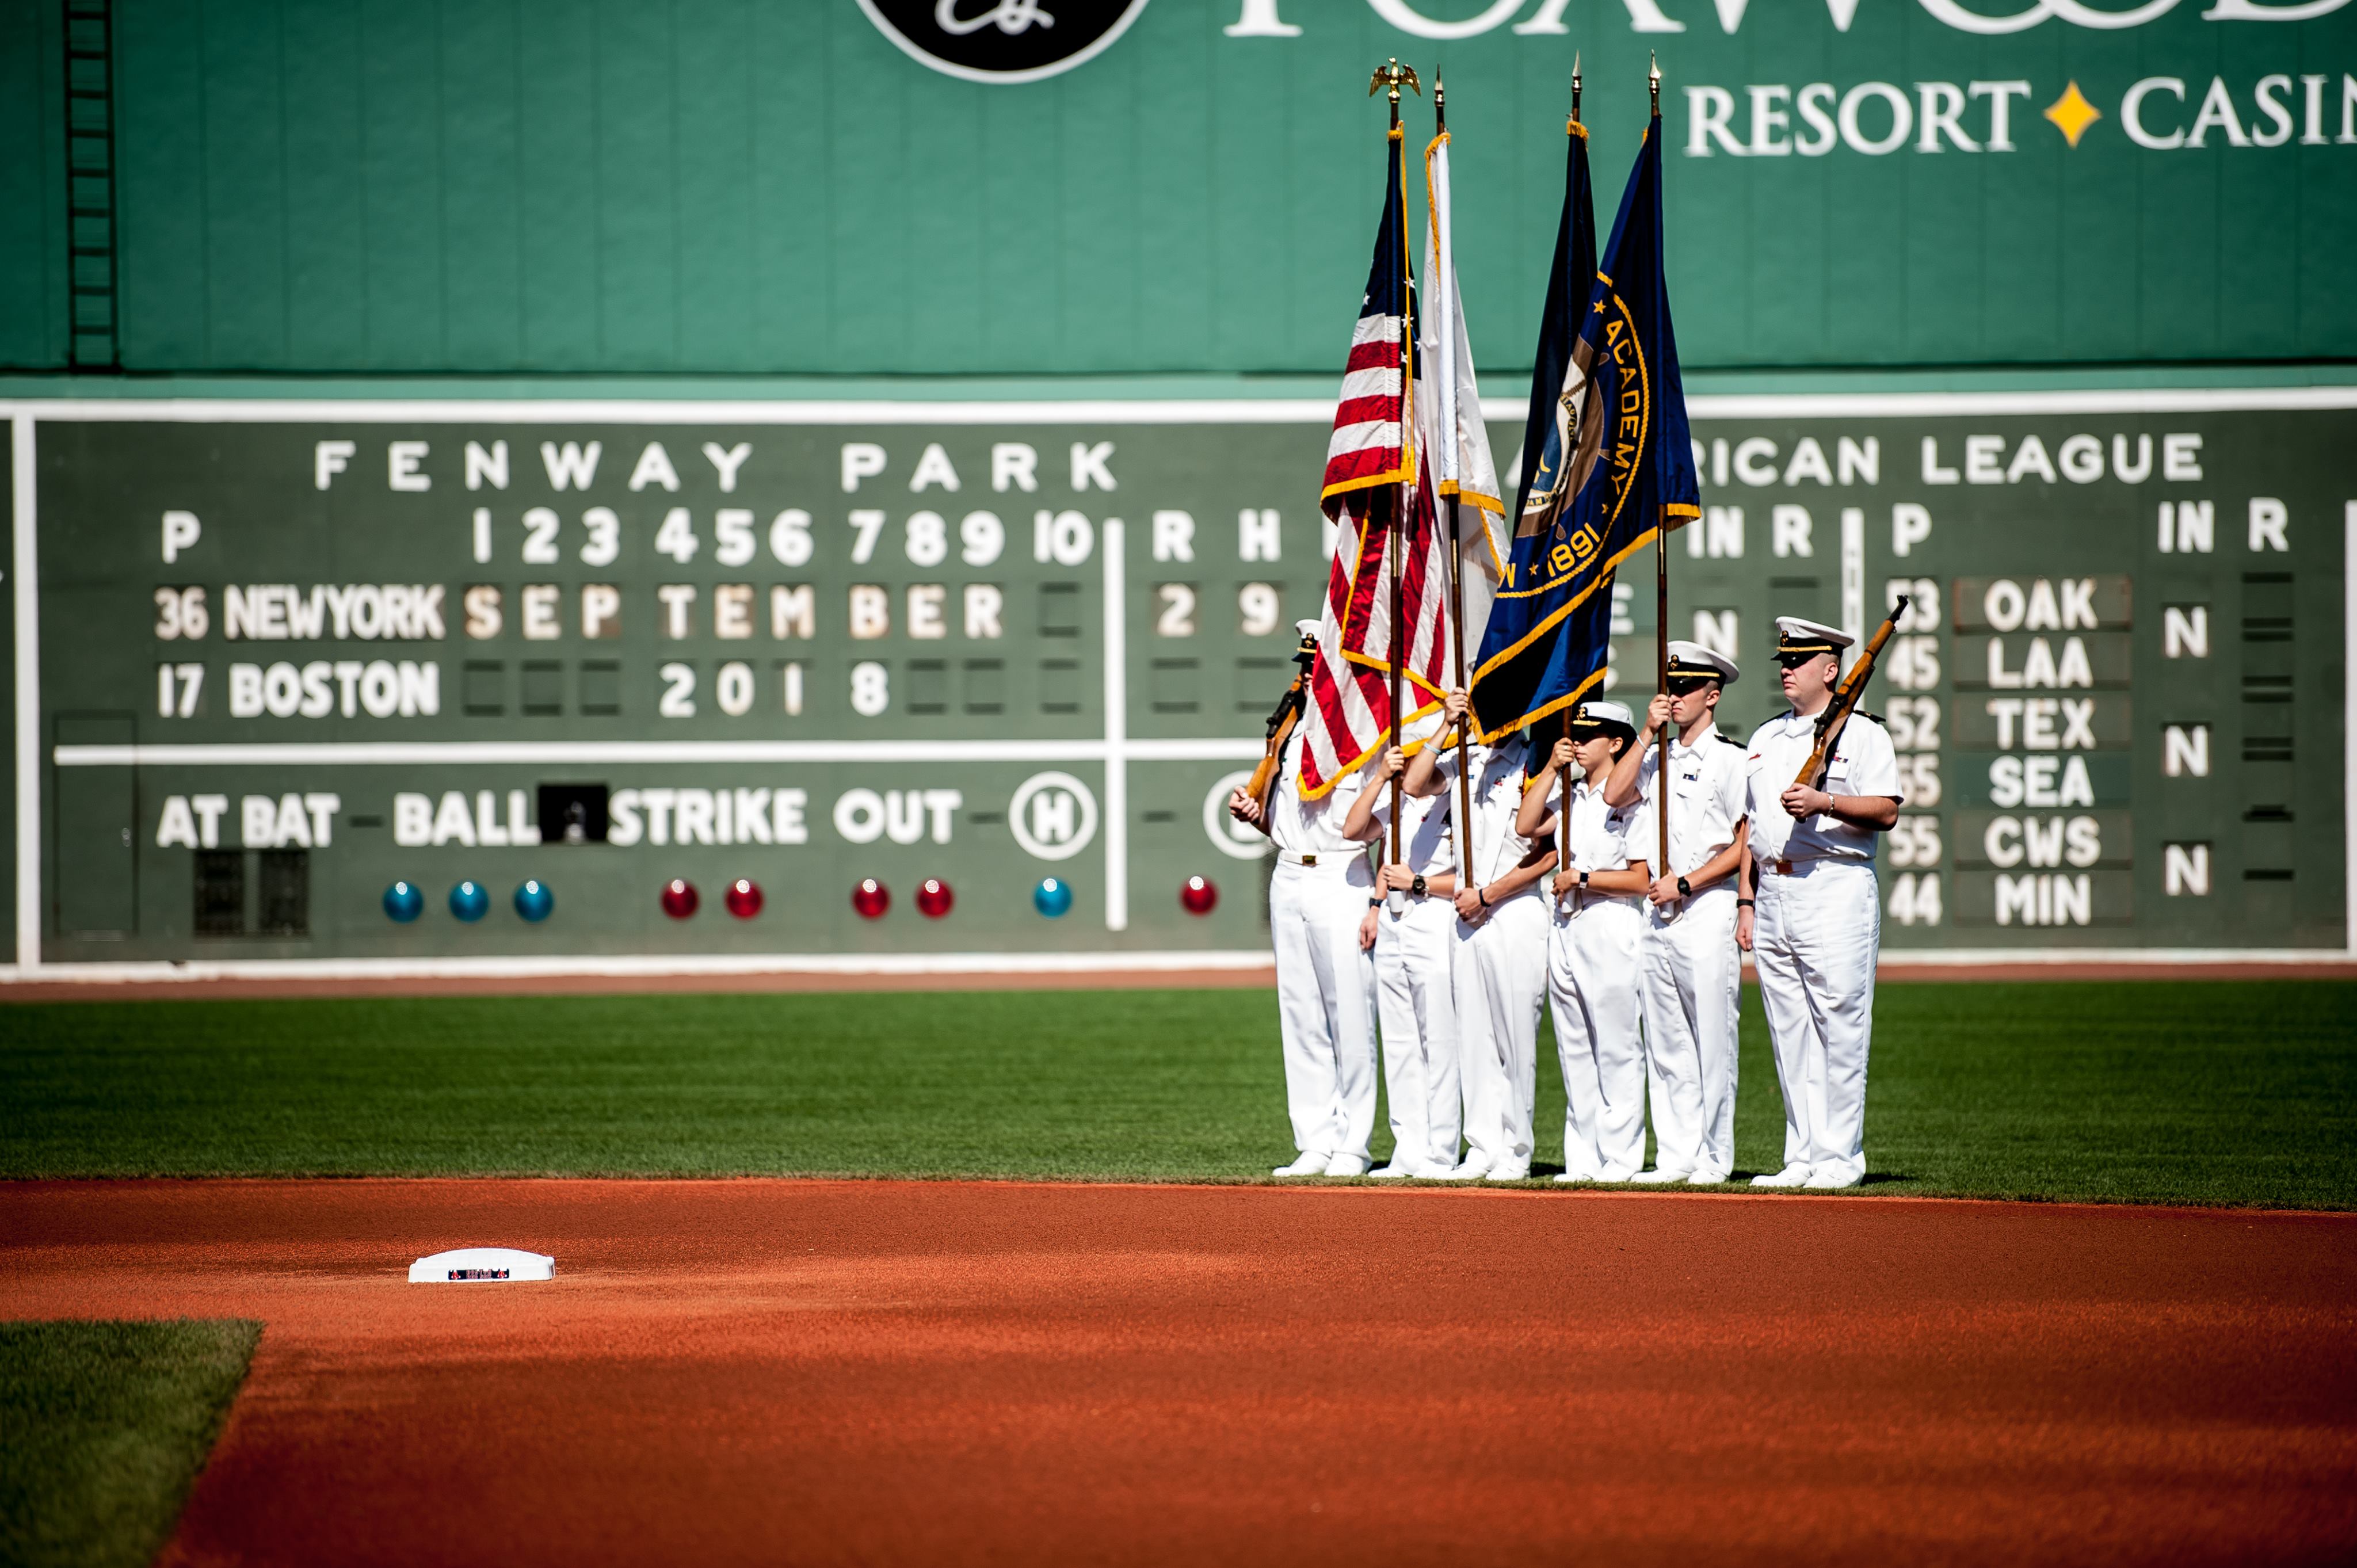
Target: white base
<point>466,1266</point>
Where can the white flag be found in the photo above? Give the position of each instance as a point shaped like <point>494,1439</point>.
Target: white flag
<point>1448,416</point>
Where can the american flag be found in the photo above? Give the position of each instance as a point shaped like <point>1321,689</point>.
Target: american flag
<point>1369,461</point>
<point>1367,450</point>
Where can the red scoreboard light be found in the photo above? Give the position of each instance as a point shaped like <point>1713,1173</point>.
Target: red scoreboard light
<point>744,898</point>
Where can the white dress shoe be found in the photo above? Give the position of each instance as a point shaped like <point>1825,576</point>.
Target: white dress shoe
<point>1508,1173</point>
<point>1707,1178</point>
<point>1657,1177</point>
<point>1833,1180</point>
<point>1390,1173</point>
<point>1791,1175</point>
<point>1579,1176</point>
<point>1312,1163</point>
<point>1471,1170</point>
<point>1346,1166</point>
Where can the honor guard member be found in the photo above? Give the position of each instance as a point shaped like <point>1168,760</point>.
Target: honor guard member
<point>1500,952</point>
<point>1414,945</point>
<point>1598,903</point>
<point>1691,974</point>
<point>1816,929</point>
<point>1325,980</point>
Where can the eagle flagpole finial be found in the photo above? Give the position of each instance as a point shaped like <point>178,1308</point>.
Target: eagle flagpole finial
<point>1392,74</point>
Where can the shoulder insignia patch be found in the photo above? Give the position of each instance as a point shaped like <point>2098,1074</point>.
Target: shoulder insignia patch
<point>1726,739</point>
<point>1875,717</point>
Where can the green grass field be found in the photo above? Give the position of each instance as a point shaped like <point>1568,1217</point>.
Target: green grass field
<point>102,1429</point>
<point>2153,1091</point>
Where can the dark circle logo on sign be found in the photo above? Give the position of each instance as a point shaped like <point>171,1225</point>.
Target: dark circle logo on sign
<point>1002,41</point>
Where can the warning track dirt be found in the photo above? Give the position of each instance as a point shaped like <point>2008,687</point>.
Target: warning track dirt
<point>777,1371</point>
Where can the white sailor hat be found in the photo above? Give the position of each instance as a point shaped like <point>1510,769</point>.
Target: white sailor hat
<point>1796,634</point>
<point>1692,660</point>
<point>1307,628</point>
<point>1602,718</point>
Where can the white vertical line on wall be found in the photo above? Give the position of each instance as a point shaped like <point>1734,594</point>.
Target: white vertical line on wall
<point>1117,733</point>
<point>2349,717</point>
<point>1853,576</point>
<point>28,697</point>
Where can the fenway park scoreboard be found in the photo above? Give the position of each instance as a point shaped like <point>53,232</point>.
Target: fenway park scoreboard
<point>517,684</point>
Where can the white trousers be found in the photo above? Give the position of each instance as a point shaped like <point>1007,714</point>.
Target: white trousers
<point>1692,976</point>
<point>1325,1007</point>
<point>1816,941</point>
<point>1500,985</point>
<point>1415,952</point>
<point>1592,980</point>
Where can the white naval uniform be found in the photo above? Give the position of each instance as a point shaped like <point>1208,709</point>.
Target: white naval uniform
<point>1692,970</point>
<point>1592,980</point>
<point>1500,974</point>
<point>1414,953</point>
<point>1325,983</point>
<point>1816,935</point>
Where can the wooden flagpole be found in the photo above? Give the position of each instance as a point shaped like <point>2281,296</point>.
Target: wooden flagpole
<point>1662,606</point>
<point>1563,812</point>
<point>1662,654</point>
<point>1457,586</point>
<point>1391,75</point>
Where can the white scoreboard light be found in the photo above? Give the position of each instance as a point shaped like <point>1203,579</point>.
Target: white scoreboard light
<point>524,685</point>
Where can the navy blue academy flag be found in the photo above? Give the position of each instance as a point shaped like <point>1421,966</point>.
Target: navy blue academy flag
<point>1613,471</point>
<point>1520,637</point>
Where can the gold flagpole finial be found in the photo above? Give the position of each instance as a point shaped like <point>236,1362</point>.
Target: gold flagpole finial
<point>1393,75</point>
<point>1575,84</point>
<point>1655,79</point>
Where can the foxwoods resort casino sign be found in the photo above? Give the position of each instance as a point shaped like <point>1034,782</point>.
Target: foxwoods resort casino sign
<point>1013,41</point>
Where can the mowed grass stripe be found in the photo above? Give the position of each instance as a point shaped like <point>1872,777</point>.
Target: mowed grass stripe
<point>2154,1092</point>
<point>106,1426</point>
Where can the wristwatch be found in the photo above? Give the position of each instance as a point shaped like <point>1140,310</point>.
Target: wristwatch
<point>1583,879</point>
<point>1684,891</point>
<point>1416,887</point>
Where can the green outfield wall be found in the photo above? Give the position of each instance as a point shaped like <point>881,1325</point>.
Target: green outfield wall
<point>812,442</point>
<point>796,187</point>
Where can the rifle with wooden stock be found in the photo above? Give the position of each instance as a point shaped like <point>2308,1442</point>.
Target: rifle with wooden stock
<point>1844,699</point>
<point>1262,785</point>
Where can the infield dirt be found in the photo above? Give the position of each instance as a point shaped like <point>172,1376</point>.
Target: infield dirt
<point>779,1371</point>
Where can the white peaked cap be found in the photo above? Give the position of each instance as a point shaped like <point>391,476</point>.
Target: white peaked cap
<point>1693,658</point>
<point>1606,714</point>
<point>1799,633</point>
<point>1306,628</point>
